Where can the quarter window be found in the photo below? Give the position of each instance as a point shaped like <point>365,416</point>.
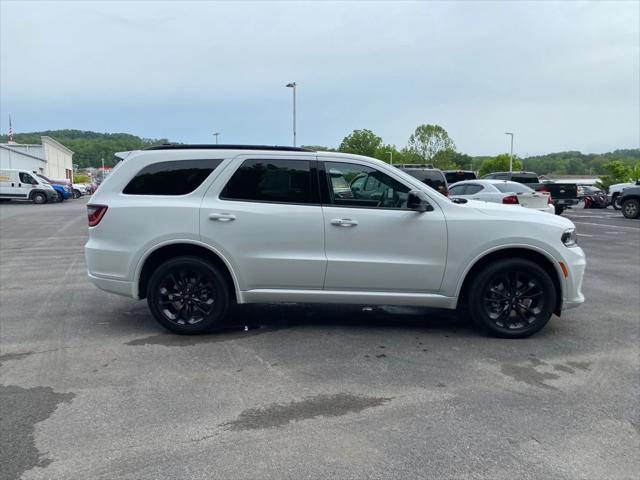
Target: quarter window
<point>287,181</point>
<point>171,178</point>
<point>360,186</point>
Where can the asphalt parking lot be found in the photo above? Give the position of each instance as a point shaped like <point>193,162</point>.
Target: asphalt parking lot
<point>92,387</point>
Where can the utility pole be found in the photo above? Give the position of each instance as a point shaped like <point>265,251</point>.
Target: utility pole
<point>102,160</point>
<point>510,154</point>
<point>293,86</point>
<point>216,135</point>
<point>390,158</point>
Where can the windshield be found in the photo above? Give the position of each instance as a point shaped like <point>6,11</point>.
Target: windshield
<point>44,179</point>
<point>512,187</point>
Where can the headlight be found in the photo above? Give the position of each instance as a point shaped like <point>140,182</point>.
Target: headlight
<point>570,238</point>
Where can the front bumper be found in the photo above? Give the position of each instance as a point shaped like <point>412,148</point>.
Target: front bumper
<point>52,196</point>
<point>576,263</point>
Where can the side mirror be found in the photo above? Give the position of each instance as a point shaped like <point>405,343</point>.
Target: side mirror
<point>417,201</point>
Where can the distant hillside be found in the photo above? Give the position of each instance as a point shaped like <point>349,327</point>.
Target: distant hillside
<point>89,147</point>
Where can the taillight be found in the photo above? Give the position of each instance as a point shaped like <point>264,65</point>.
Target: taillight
<point>542,188</point>
<point>95,214</point>
<point>510,200</point>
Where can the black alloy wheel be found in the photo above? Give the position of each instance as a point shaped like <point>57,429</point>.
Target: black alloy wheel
<point>76,194</point>
<point>631,208</point>
<point>188,295</point>
<point>512,298</point>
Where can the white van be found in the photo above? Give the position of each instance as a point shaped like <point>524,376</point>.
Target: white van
<point>24,185</point>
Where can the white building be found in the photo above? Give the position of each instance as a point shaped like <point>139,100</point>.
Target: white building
<point>51,158</point>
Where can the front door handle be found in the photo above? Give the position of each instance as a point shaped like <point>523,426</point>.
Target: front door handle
<point>344,222</point>
<point>222,217</point>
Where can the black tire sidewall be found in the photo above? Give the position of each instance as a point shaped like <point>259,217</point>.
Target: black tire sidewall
<point>624,208</point>
<point>615,202</point>
<point>479,285</point>
<point>558,209</point>
<point>37,195</point>
<point>221,287</point>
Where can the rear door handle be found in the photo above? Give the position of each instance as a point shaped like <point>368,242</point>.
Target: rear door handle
<point>344,222</point>
<point>222,217</point>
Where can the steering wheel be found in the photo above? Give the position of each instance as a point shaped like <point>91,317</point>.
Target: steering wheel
<point>387,200</point>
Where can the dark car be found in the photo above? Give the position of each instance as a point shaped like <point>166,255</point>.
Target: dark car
<point>434,177</point>
<point>630,201</point>
<point>593,197</point>
<point>454,176</point>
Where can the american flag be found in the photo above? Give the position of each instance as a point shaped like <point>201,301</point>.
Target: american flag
<point>10,130</point>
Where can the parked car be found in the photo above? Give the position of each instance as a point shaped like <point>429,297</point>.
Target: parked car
<point>563,194</point>
<point>24,185</point>
<point>79,189</point>
<point>593,197</point>
<point>212,229</point>
<point>502,191</point>
<point>616,189</point>
<point>427,175</point>
<point>630,201</point>
<point>454,176</point>
<point>62,187</point>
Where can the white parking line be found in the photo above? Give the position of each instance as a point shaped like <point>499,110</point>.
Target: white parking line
<point>607,226</point>
<point>584,235</point>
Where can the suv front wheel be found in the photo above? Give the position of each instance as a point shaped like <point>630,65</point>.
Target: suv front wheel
<point>188,295</point>
<point>512,298</point>
<point>631,208</point>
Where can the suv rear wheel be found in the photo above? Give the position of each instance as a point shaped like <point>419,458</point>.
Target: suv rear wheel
<point>631,208</point>
<point>512,298</point>
<point>188,295</point>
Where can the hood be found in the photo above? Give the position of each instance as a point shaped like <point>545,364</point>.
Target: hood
<point>517,212</point>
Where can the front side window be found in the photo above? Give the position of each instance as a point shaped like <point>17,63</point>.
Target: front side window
<point>364,187</point>
<point>287,181</point>
<point>178,177</point>
<point>26,178</point>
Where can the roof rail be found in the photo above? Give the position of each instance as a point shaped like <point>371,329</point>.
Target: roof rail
<point>180,146</point>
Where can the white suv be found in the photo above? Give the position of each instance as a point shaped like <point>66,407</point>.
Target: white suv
<point>195,229</point>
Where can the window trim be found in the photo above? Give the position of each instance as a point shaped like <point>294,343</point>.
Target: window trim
<point>204,181</point>
<point>313,182</point>
<point>325,187</point>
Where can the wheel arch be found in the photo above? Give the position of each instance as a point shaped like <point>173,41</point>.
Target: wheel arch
<point>540,258</point>
<point>155,257</point>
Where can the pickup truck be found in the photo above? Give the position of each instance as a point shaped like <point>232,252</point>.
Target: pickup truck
<point>563,194</point>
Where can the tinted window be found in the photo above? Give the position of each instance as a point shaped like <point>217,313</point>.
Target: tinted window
<point>434,178</point>
<point>26,178</point>
<point>512,187</point>
<point>459,176</point>
<point>171,178</point>
<point>365,187</point>
<point>471,189</point>
<point>524,178</point>
<point>271,181</point>
<point>457,190</point>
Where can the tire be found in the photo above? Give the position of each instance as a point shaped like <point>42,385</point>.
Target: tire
<point>631,208</point>
<point>210,297</point>
<point>615,202</point>
<point>39,198</point>
<point>500,286</point>
<point>60,197</point>
<point>559,209</point>
<point>76,194</point>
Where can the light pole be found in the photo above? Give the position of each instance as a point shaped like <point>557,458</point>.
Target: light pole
<point>390,158</point>
<point>215,134</point>
<point>293,86</point>
<point>511,154</point>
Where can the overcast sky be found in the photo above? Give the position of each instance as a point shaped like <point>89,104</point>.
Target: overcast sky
<point>562,76</point>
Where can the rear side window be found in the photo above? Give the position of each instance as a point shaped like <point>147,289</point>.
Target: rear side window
<point>524,178</point>
<point>287,181</point>
<point>457,189</point>
<point>171,178</point>
<point>473,189</point>
<point>459,176</point>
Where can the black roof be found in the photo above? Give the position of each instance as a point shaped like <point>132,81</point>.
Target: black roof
<point>179,146</point>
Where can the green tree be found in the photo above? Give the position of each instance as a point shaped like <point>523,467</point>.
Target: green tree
<point>499,163</point>
<point>427,141</point>
<point>78,178</point>
<point>452,160</point>
<point>618,172</point>
<point>361,142</point>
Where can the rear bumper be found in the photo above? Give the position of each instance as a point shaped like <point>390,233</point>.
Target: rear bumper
<point>118,287</point>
